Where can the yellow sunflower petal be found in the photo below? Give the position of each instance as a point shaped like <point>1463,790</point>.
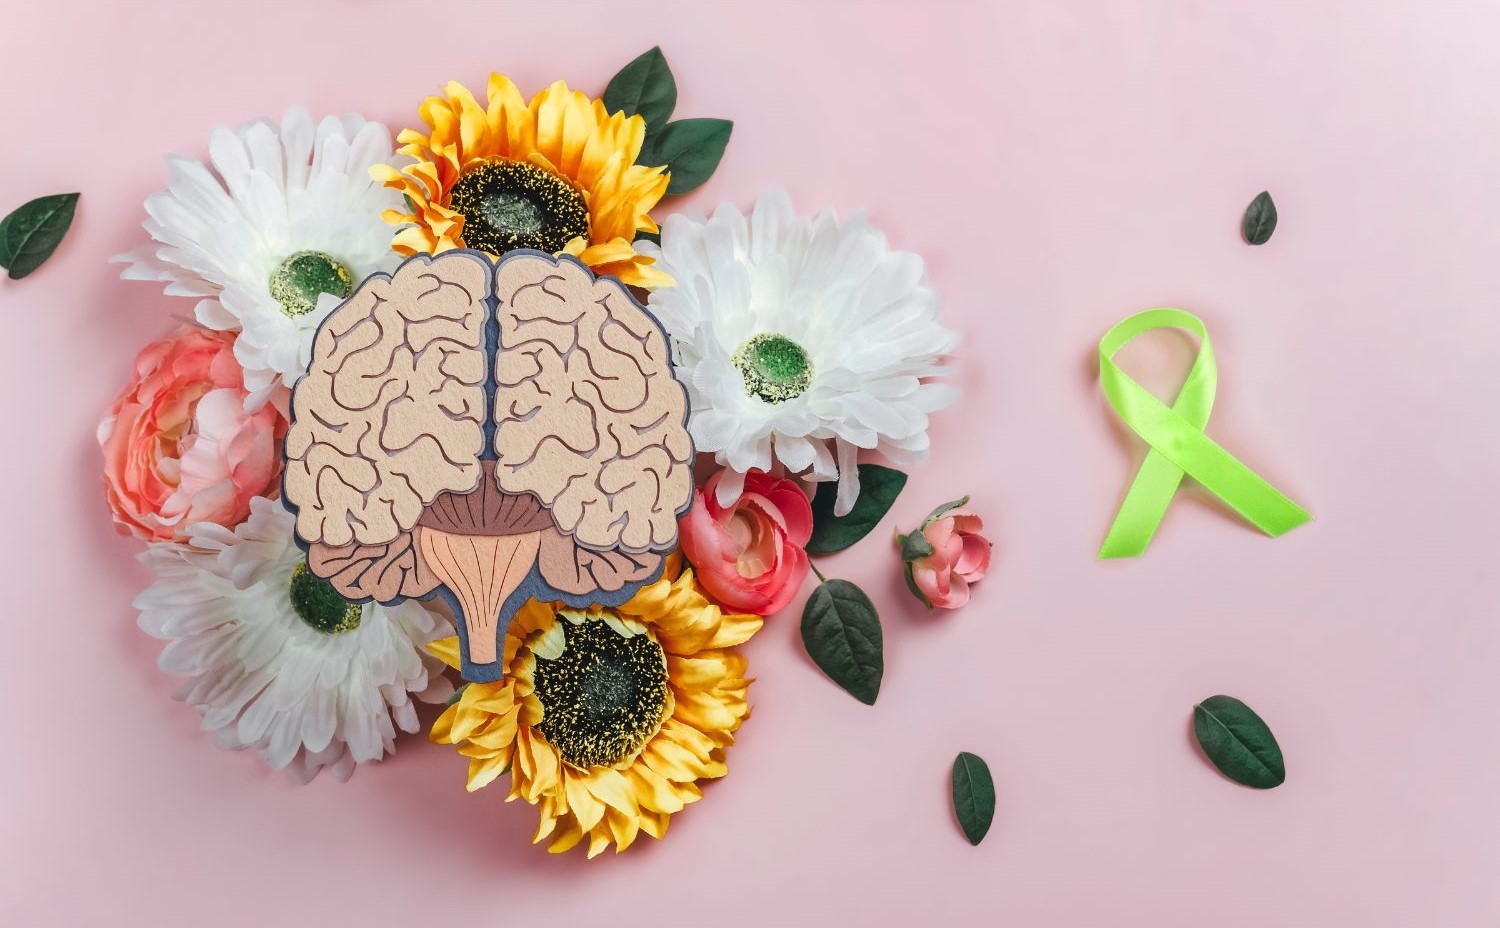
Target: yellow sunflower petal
<point>612,788</point>
<point>495,698</point>
<point>598,841</point>
<point>583,804</point>
<point>653,791</point>
<point>500,733</point>
<point>655,824</point>
<point>546,772</point>
<point>525,758</point>
<point>702,672</point>
<point>699,742</point>
<point>567,836</point>
<point>482,772</point>
<point>623,828</point>
<point>445,650</point>
<point>468,720</point>
<point>442,727</point>
<point>675,763</point>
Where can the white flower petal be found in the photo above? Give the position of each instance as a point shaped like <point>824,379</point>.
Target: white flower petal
<point>848,478</point>
<point>731,485</point>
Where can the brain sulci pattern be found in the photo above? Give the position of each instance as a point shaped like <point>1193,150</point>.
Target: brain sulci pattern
<point>580,421</point>
<point>391,412</point>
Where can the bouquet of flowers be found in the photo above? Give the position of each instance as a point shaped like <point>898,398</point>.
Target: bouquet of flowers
<point>352,473</point>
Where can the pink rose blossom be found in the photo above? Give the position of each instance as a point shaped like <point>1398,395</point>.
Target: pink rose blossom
<point>178,445</point>
<point>946,555</point>
<point>749,555</point>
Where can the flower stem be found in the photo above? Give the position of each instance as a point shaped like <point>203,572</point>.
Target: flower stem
<point>821,578</point>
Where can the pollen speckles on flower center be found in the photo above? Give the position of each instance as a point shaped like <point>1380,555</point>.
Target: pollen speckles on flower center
<point>304,276</point>
<point>508,205</point>
<point>316,603</point>
<point>604,696</point>
<point>775,368</point>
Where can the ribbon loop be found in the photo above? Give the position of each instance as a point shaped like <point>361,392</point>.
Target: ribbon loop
<point>1178,446</point>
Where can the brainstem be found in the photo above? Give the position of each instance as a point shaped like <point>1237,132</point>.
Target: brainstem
<point>588,415</point>
<point>391,412</point>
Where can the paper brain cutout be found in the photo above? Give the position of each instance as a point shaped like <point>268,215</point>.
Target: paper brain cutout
<point>493,433</point>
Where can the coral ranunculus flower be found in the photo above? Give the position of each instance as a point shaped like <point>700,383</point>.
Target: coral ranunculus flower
<point>946,555</point>
<point>607,719</point>
<point>558,175</point>
<point>179,447</point>
<point>749,554</point>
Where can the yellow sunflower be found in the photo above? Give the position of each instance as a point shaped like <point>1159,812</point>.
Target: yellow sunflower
<point>558,175</point>
<point>606,718</point>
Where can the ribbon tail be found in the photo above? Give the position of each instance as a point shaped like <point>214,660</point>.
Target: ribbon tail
<point>1144,506</point>
<point>1242,489</point>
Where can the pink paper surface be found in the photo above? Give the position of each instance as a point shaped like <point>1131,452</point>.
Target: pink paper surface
<point>1059,167</point>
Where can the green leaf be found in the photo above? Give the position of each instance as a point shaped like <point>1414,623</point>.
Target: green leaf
<point>878,489</point>
<point>644,88</point>
<point>29,235</point>
<point>690,148</point>
<point>1238,742</point>
<point>458,693</point>
<point>973,795</point>
<point>841,631</point>
<point>914,546</point>
<point>1260,219</point>
<point>654,237</point>
<point>911,584</point>
<point>944,509</point>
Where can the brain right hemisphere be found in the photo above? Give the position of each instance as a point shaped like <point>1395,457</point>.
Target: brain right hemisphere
<point>589,418</point>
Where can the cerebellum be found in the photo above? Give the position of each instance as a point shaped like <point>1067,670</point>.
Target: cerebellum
<point>495,430</point>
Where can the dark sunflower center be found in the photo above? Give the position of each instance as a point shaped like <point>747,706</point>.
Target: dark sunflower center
<point>304,276</point>
<point>604,696</point>
<point>319,606</point>
<point>512,204</point>
<point>774,367</point>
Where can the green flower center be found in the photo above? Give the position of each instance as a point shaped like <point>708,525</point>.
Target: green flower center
<point>302,277</point>
<point>604,697</point>
<point>508,205</point>
<point>775,368</point>
<point>317,604</point>
<point>514,212</point>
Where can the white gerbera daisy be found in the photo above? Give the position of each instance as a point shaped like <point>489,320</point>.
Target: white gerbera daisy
<point>274,660</point>
<point>284,226</point>
<point>802,341</point>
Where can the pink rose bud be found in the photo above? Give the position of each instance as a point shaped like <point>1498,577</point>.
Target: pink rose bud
<point>178,445</point>
<point>749,555</point>
<point>946,554</point>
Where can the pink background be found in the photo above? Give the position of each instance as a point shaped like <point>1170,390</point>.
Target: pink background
<point>1059,167</point>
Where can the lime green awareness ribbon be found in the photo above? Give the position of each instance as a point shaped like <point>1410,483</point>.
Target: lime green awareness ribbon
<point>1178,445</point>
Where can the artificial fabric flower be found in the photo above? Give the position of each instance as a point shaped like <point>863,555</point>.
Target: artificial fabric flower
<point>802,342</point>
<point>945,555</point>
<point>272,234</point>
<point>557,175</point>
<point>275,660</point>
<point>607,719</point>
<point>178,445</point>
<point>749,554</point>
